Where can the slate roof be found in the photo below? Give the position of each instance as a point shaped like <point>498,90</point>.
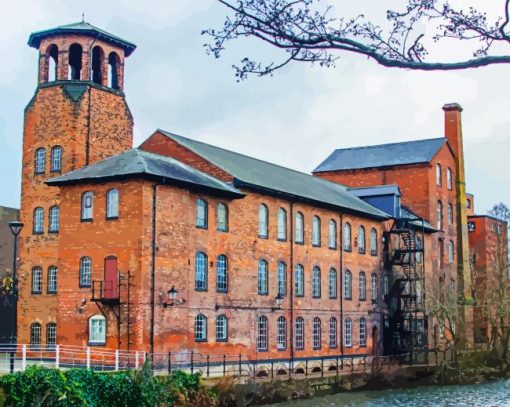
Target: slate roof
<point>138,163</point>
<point>376,190</point>
<point>82,28</point>
<point>260,175</point>
<point>408,152</point>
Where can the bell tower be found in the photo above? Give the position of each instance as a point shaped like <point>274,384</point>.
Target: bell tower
<point>77,116</point>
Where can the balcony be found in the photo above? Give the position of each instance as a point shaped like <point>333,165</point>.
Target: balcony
<point>106,292</point>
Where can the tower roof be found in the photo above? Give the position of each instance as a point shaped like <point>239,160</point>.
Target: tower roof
<point>81,28</point>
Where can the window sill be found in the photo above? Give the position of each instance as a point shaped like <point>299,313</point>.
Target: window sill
<point>333,298</point>
<point>200,227</point>
<point>319,348</point>
<point>300,243</point>
<point>348,298</point>
<point>222,291</point>
<point>333,347</point>
<point>262,237</point>
<point>331,248</point>
<point>85,286</point>
<point>86,220</point>
<point>36,292</point>
<point>40,173</point>
<point>222,340</point>
<point>96,343</point>
<point>347,250</point>
<point>281,240</point>
<point>316,245</point>
<point>51,292</point>
<point>263,293</point>
<point>200,340</point>
<point>373,253</point>
<point>112,218</point>
<point>37,233</point>
<point>281,349</point>
<point>53,232</point>
<point>262,350</point>
<point>316,297</point>
<point>55,171</point>
<point>201,289</point>
<point>222,230</point>
<point>361,252</point>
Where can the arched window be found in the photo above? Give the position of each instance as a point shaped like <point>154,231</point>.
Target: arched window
<point>263,277</point>
<point>51,335</point>
<point>316,231</point>
<point>222,217</point>
<point>386,284</point>
<point>87,206</point>
<point>201,271</point>
<point>282,224</point>
<point>332,291</point>
<point>221,274</point>
<point>347,237</point>
<point>362,286</point>
<point>439,215</point>
<point>333,342</point>
<point>85,272</point>
<point>373,242</point>
<point>113,70</point>
<point>38,221</point>
<point>348,285</point>
<point>300,281</point>
<point>438,175</point>
<point>449,178</point>
<point>300,222</point>
<point>361,240</point>
<point>97,330</point>
<point>282,278</point>
<point>332,234</point>
<point>316,282</point>
<point>221,328</point>
<point>36,280</point>
<point>374,286</point>
<point>200,328</point>
<point>300,333</point>
<point>263,220</point>
<point>54,220</point>
<point>40,161</point>
<point>201,215</point>
<point>56,159</point>
<point>262,334</point>
<point>348,333</point>
<point>52,63</point>
<point>281,333</point>
<point>450,214</point>
<point>362,332</point>
<point>112,204</point>
<point>75,57</point>
<point>451,252</point>
<point>52,279</point>
<point>97,64</point>
<point>317,333</point>
<point>35,335</point>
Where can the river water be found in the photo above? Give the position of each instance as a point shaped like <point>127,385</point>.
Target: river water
<point>478,395</point>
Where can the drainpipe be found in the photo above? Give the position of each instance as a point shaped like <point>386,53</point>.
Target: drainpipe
<point>341,293</point>
<point>153,269</point>
<point>291,288</point>
<point>89,119</point>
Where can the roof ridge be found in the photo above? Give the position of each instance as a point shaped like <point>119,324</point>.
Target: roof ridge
<point>388,144</point>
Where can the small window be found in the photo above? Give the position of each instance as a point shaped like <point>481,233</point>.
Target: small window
<point>221,274</point>
<point>374,286</point>
<point>471,226</point>
<point>317,333</point>
<point>347,237</point>
<point>282,224</point>
<point>373,242</point>
<point>333,333</point>
<point>97,330</point>
<point>386,284</point>
<point>262,277</point>
<point>361,240</point>
<point>222,217</point>
<point>316,231</point>
<point>201,271</point>
<point>362,286</point>
<point>56,159</point>
<point>51,335</point>
<point>263,221</point>
<point>281,333</point>
<point>35,335</point>
<point>40,161</point>
<point>348,285</point>
<point>348,333</point>
<point>438,175</point>
<point>332,234</point>
<point>300,221</point>
<point>87,205</point>
<point>362,332</point>
<point>36,280</point>
<point>200,328</point>
<point>112,204</point>
<point>300,281</point>
<point>282,278</point>
<point>316,282</point>
<point>52,279</point>
<point>332,283</point>
<point>221,328</point>
<point>201,216</point>
<point>54,219</point>
<point>85,272</point>
<point>439,215</point>
<point>38,220</point>
<point>262,334</point>
<point>450,214</point>
<point>451,252</point>
<point>300,333</point>
<point>449,178</point>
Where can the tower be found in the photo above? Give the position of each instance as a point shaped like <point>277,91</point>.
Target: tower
<point>77,116</point>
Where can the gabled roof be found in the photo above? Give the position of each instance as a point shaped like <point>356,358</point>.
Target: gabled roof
<point>82,28</point>
<point>137,163</point>
<point>383,155</point>
<point>270,178</point>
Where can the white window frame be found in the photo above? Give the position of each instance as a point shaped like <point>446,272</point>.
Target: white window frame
<point>201,271</point>
<point>300,280</point>
<point>38,220</point>
<point>112,204</point>
<point>333,332</point>
<point>201,216</point>
<point>200,328</point>
<point>332,234</point>
<point>281,224</point>
<point>222,274</point>
<point>316,231</point>
<point>347,237</point>
<point>263,276</point>
<point>362,332</point>
<point>97,330</point>
<point>222,217</point>
<point>300,221</point>
<point>54,219</point>
<point>263,221</point>
<point>281,333</point>
<point>316,282</point>
<point>333,284</point>
<point>221,328</point>
<point>52,279</point>
<point>348,333</point>
<point>262,334</point>
<point>87,206</point>
<point>300,333</point>
<point>362,286</point>
<point>282,278</point>
<point>317,333</point>
<point>85,272</point>
<point>56,159</point>
<point>36,280</point>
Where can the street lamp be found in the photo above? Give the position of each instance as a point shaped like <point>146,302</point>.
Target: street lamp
<point>15,227</point>
<point>278,301</point>
<point>172,298</point>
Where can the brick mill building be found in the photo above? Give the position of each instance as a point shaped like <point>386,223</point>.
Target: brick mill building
<point>178,244</point>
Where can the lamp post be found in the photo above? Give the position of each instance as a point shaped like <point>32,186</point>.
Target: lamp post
<point>15,227</point>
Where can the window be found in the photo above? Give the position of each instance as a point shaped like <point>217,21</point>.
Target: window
<point>85,272</point>
<point>451,252</point>
<point>52,279</point>
<point>97,330</point>
<point>450,214</point>
<point>362,332</point>
<point>471,226</point>
<point>451,286</point>
<point>316,231</point>
<point>362,286</point>
<point>282,224</point>
<point>449,179</point>
<point>222,217</point>
<point>56,159</point>
<point>316,282</point>
<point>200,328</point>
<point>35,335</point>
<point>40,161</point>
<point>332,291</point>
<point>300,333</point>
<point>51,335</point>
<point>54,221</point>
<point>52,63</point>
<point>373,242</point>
<point>87,204</point>
<point>201,271</point>
<point>332,234</point>
<point>113,70</point>
<point>281,333</point>
<point>221,328</point>
<point>439,215</point>
<point>263,220</point>
<point>97,65</point>
<point>38,220</point>
<point>300,221</point>
<point>282,278</point>
<point>112,204</point>
<point>317,334</point>
<point>262,334</point>
<point>440,254</point>
<point>419,247</point>
<point>386,284</point>
<point>348,333</point>
<point>300,281</point>
<point>348,285</point>
<point>262,277</point>
<point>75,57</point>
<point>374,286</point>
<point>468,203</point>
<point>201,215</point>
<point>36,280</point>
<point>347,237</point>
<point>221,274</point>
<point>361,240</point>
<point>438,175</point>
<point>333,333</point>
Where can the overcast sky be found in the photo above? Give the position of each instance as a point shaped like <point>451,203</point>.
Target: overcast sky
<point>295,118</point>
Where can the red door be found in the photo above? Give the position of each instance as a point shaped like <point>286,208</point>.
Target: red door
<point>111,278</point>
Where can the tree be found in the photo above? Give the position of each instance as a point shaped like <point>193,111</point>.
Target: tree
<point>307,31</point>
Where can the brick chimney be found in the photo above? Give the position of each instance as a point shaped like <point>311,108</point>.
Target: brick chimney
<point>453,127</point>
